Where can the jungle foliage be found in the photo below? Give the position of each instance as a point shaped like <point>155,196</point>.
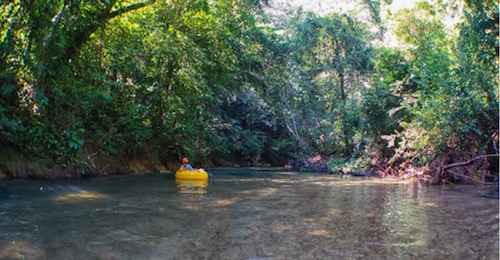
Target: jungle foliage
<point>217,81</point>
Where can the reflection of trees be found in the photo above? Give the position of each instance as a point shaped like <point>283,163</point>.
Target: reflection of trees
<point>374,217</point>
<point>405,220</point>
<point>318,217</point>
<point>355,213</point>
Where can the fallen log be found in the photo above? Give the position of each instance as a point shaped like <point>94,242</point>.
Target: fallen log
<point>472,180</point>
<point>446,169</point>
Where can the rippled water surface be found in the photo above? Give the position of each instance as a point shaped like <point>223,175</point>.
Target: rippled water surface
<point>245,214</point>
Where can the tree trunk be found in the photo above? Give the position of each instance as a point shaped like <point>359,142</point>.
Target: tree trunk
<point>347,151</point>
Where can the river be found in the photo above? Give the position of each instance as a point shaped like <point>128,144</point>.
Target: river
<point>246,213</point>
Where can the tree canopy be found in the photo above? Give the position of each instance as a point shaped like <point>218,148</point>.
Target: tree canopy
<point>217,81</point>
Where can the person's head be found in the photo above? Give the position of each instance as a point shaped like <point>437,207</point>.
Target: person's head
<point>185,160</point>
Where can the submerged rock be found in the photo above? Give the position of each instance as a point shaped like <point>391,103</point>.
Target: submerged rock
<point>20,250</point>
<point>79,196</point>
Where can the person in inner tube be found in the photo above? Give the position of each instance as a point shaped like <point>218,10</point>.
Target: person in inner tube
<point>185,164</point>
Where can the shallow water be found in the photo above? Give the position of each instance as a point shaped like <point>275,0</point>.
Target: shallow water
<point>245,214</point>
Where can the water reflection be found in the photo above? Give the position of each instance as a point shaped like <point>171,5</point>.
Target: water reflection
<point>251,214</point>
<point>192,186</point>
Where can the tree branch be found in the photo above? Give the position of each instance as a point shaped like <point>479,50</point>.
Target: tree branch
<point>128,9</point>
<point>81,35</point>
<point>55,23</point>
<point>467,162</point>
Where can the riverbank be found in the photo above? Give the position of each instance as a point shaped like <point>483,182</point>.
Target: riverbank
<point>13,165</point>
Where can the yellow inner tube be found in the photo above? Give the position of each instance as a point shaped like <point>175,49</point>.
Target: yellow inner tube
<point>198,174</point>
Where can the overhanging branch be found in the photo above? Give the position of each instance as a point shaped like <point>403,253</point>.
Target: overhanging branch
<point>128,9</point>
<point>468,161</point>
<point>81,35</point>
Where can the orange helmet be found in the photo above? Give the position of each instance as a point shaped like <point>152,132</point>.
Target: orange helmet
<point>185,160</point>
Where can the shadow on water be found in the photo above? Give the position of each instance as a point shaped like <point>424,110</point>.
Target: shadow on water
<point>248,213</point>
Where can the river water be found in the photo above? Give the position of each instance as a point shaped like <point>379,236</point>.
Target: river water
<point>245,214</point>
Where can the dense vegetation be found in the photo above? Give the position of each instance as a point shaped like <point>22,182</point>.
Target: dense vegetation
<point>84,83</point>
